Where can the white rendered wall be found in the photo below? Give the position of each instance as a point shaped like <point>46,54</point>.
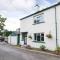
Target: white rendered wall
<point>12,40</point>
<point>48,26</point>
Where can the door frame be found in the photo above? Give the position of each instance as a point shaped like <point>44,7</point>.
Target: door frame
<point>24,37</point>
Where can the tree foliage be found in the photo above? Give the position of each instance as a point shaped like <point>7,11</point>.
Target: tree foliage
<point>2,21</point>
<point>7,33</point>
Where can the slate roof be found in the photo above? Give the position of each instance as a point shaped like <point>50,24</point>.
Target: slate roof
<point>41,11</point>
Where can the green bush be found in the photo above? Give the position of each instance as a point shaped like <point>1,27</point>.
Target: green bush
<point>42,47</point>
<point>58,49</point>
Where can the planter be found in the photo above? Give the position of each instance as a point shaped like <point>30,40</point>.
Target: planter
<point>49,36</point>
<point>30,36</point>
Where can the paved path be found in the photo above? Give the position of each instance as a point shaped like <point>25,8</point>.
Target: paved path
<point>11,53</point>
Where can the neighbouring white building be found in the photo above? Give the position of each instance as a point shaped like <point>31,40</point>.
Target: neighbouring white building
<point>12,39</point>
<point>41,28</point>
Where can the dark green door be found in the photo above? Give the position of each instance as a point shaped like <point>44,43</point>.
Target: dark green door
<point>18,39</point>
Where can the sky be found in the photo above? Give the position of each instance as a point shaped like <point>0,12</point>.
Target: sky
<point>16,9</point>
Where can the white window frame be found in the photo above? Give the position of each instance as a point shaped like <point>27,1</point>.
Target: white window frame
<point>37,20</point>
<point>40,36</point>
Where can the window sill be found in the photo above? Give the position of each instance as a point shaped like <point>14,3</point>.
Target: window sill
<point>38,41</point>
<point>37,23</point>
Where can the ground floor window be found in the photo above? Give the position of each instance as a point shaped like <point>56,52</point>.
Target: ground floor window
<point>39,36</point>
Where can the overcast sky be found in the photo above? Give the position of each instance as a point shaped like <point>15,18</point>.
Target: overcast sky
<point>16,9</point>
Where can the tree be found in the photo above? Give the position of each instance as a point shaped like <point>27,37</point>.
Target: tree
<point>7,33</point>
<point>2,20</point>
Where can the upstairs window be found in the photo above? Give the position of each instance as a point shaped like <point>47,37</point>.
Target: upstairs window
<point>38,19</point>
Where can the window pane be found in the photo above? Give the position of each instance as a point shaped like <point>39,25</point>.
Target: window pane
<point>42,34</point>
<point>38,37</point>
<point>38,17</point>
<point>34,21</point>
<point>42,37</point>
<point>41,19</point>
<point>34,36</point>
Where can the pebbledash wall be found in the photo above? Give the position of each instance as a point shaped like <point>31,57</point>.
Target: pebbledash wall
<point>27,25</point>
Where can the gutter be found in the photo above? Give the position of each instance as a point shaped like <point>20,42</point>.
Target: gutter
<point>56,27</point>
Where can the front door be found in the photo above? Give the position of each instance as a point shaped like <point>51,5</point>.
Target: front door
<point>24,37</point>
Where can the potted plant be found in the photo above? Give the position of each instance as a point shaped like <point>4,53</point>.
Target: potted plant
<point>30,36</point>
<point>49,36</point>
<point>42,47</point>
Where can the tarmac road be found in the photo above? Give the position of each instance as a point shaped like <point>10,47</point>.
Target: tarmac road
<point>8,52</point>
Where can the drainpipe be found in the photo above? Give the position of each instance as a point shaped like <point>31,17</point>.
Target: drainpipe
<point>56,27</point>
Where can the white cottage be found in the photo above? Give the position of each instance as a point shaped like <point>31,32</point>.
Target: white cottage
<point>42,28</point>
